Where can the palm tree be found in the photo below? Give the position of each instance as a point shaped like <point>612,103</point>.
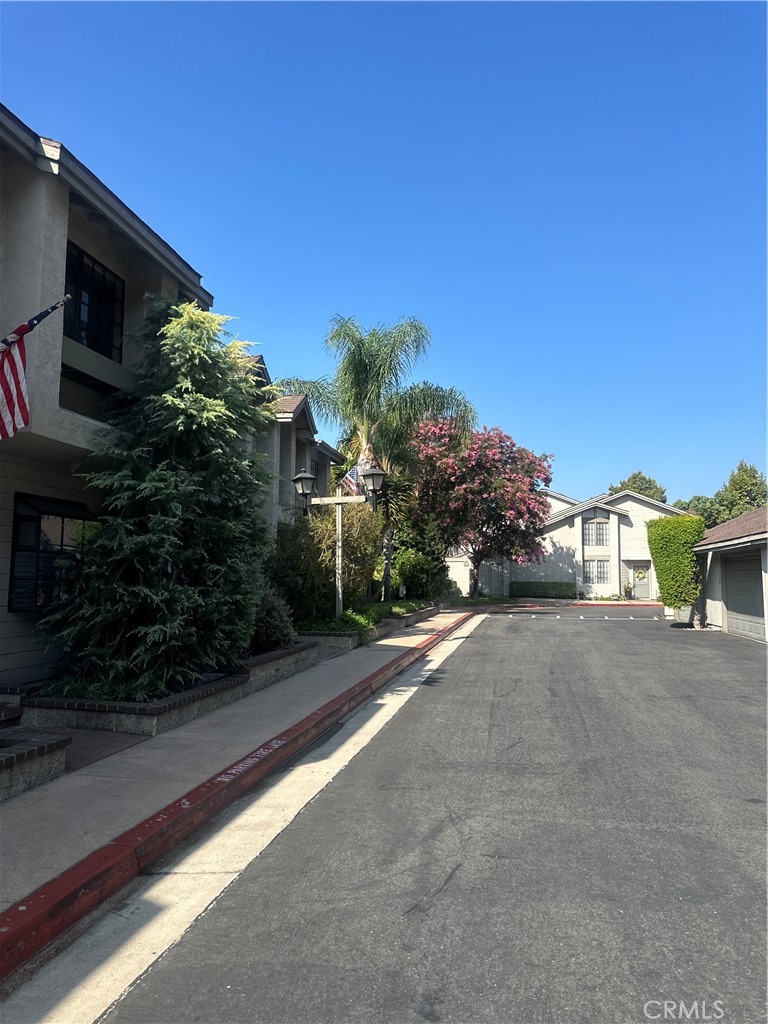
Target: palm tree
<point>373,404</point>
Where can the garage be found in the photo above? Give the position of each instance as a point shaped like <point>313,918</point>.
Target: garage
<point>743,597</point>
<point>733,558</point>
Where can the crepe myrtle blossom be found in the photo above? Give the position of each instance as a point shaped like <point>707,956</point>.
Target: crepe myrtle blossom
<point>485,495</point>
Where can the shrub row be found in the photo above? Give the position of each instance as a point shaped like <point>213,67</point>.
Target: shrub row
<point>362,618</point>
<point>526,588</point>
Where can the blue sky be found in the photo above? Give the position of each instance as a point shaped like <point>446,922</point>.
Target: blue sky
<point>570,195</point>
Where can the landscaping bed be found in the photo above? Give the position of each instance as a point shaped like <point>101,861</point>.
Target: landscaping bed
<point>351,631</point>
<point>152,717</point>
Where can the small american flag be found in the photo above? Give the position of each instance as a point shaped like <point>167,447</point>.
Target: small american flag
<point>14,400</point>
<point>350,481</point>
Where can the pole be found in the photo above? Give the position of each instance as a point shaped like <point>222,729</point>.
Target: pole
<point>339,558</point>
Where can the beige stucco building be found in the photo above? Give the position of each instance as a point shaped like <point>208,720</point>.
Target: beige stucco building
<point>599,546</point>
<point>63,231</point>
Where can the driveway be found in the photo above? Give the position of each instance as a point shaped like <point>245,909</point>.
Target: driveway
<point>564,824</point>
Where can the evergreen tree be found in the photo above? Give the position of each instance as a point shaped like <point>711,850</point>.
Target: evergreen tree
<point>745,489</point>
<point>700,505</point>
<point>168,587</point>
<point>640,484</point>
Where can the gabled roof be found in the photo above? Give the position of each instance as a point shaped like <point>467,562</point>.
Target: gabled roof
<point>661,505</point>
<point>334,457</point>
<point>260,367</point>
<point>605,502</point>
<point>750,528</point>
<point>557,494</point>
<point>288,408</point>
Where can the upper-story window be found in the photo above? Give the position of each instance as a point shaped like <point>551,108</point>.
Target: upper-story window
<point>596,533</point>
<point>94,317</point>
<point>314,468</point>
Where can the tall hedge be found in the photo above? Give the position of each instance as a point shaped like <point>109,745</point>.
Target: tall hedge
<point>542,588</point>
<point>671,541</point>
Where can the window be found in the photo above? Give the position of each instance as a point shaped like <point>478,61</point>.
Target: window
<point>94,317</point>
<point>597,570</point>
<point>596,533</point>
<point>43,530</point>
<point>314,468</point>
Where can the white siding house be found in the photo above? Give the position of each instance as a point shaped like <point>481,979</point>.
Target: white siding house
<point>599,546</point>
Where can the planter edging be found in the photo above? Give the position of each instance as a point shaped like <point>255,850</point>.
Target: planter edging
<point>166,713</point>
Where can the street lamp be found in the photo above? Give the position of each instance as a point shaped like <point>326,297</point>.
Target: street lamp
<point>373,478</point>
<point>304,483</point>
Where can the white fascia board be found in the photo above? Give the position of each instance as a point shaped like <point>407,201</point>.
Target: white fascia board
<point>610,498</point>
<point>566,513</point>
<point>557,494</point>
<point>753,540</point>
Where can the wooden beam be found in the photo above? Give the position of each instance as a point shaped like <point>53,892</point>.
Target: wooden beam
<point>347,499</point>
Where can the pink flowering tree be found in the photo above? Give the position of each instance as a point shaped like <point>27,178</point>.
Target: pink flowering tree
<point>485,496</point>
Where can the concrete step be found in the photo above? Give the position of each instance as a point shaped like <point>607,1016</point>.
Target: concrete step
<point>10,715</point>
<point>29,757</point>
<point>14,693</point>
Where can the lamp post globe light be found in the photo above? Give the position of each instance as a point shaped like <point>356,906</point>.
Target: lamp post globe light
<point>373,478</point>
<point>304,483</point>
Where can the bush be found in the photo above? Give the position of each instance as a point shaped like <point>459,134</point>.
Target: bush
<point>362,618</point>
<point>413,570</point>
<point>304,563</point>
<point>273,627</point>
<point>526,588</point>
<point>671,541</point>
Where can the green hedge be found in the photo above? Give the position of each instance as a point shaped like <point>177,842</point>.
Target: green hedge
<point>520,588</point>
<point>671,541</point>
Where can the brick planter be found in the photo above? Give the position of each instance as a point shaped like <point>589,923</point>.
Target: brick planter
<point>349,640</point>
<point>153,717</point>
<point>29,757</point>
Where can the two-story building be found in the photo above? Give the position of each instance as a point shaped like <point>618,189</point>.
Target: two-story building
<point>600,546</point>
<point>63,231</point>
<point>292,445</point>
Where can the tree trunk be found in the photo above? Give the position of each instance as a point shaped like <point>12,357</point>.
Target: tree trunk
<point>389,535</point>
<point>474,587</point>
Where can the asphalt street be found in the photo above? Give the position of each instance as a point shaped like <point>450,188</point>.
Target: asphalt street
<point>564,824</point>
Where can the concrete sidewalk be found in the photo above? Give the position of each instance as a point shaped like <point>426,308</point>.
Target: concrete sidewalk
<point>70,843</point>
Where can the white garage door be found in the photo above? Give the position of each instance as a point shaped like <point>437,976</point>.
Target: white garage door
<point>744,597</point>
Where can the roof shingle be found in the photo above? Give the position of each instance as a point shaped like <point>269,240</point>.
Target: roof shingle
<point>748,525</point>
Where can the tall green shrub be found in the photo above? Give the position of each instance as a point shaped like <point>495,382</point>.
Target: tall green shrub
<point>671,543</point>
<point>168,586</point>
<point>525,588</point>
<point>304,564</point>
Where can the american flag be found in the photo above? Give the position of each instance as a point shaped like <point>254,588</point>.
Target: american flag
<point>14,400</point>
<point>350,481</point>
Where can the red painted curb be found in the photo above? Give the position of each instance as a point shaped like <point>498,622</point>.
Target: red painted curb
<point>34,922</point>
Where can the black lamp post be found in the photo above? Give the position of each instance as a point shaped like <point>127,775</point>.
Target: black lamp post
<point>304,483</point>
